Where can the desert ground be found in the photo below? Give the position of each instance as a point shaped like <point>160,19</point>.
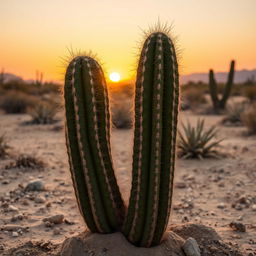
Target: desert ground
<point>214,192</point>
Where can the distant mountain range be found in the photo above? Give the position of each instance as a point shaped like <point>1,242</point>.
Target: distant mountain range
<point>240,77</point>
<point>11,77</point>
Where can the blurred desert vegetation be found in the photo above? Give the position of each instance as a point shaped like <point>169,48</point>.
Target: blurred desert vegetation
<point>43,100</point>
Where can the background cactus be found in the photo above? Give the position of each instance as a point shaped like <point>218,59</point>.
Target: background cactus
<point>156,110</point>
<point>87,136</point>
<point>220,104</point>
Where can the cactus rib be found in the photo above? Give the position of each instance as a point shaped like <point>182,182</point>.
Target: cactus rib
<point>89,100</point>
<point>156,110</point>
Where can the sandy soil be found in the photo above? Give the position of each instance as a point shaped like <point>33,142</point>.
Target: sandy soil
<point>214,192</point>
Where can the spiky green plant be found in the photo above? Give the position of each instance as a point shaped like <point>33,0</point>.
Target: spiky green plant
<point>87,136</point>
<point>156,110</point>
<point>220,104</point>
<point>88,144</point>
<point>197,142</point>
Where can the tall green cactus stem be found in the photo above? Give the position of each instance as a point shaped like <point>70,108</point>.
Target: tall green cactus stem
<point>213,90</point>
<point>220,104</point>
<point>156,112</point>
<point>88,146</point>
<point>228,86</point>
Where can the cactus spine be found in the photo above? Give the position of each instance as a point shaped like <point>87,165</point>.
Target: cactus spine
<point>220,104</point>
<point>156,111</point>
<point>87,136</point>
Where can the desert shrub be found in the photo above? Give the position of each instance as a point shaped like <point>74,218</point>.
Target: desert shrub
<point>15,85</point>
<point>30,88</point>
<point>26,161</point>
<point>15,102</point>
<point>233,114</point>
<point>43,112</point>
<point>197,142</point>
<point>250,93</point>
<point>3,146</point>
<point>121,113</point>
<point>249,119</point>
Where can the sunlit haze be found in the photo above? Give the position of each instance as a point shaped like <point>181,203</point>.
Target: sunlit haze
<point>36,34</point>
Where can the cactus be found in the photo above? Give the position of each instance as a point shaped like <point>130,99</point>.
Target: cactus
<point>87,136</point>
<point>220,104</point>
<point>88,145</point>
<point>156,111</point>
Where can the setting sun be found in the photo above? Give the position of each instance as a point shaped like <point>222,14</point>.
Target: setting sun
<point>114,77</point>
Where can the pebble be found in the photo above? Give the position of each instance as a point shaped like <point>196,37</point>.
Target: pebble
<point>181,185</point>
<point>40,200</point>
<point>35,185</point>
<point>15,234</point>
<point>17,217</point>
<point>238,226</point>
<point>56,232</point>
<point>55,219</point>
<point>191,247</point>
<point>12,208</point>
<point>12,227</point>
<point>221,206</point>
<point>254,207</point>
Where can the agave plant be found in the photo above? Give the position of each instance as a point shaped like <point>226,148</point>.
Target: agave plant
<point>197,142</point>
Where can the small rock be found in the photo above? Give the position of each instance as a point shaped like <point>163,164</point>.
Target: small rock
<point>56,232</point>
<point>184,219</point>
<point>221,205</point>
<point>12,208</point>
<point>238,207</point>
<point>48,224</point>
<point>254,207</point>
<point>17,217</point>
<point>181,185</point>
<point>11,227</point>
<point>191,247</point>
<point>55,219</point>
<point>69,222</point>
<point>15,234</point>
<point>240,218</point>
<point>238,226</point>
<point>35,185</point>
<point>40,200</point>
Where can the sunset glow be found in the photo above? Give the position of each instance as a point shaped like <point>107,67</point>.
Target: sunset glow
<point>114,77</point>
<point>35,35</point>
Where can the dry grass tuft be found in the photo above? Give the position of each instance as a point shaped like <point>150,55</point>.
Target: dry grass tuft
<point>15,102</point>
<point>43,112</point>
<point>27,162</point>
<point>249,119</point>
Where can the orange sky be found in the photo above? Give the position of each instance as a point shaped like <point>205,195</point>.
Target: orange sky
<point>36,34</point>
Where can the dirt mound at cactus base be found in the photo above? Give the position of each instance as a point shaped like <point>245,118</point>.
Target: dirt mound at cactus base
<point>87,244</point>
